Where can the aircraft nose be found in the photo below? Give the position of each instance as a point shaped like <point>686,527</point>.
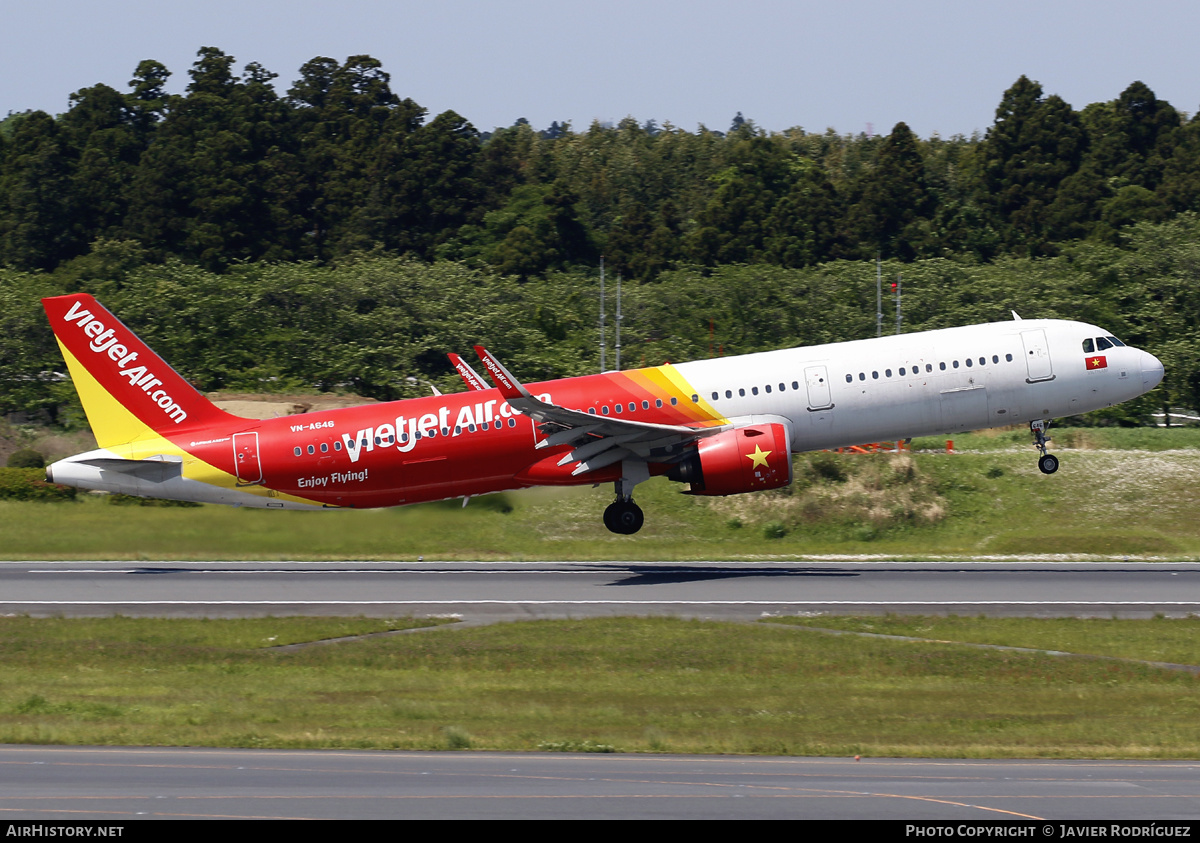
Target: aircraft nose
<point>1152,371</point>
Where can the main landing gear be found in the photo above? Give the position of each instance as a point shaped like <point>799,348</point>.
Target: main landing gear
<point>623,516</point>
<point>1047,463</point>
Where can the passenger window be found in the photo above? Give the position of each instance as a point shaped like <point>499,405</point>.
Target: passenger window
<point>956,364</point>
<point>619,409</point>
<point>591,411</point>
<point>875,375</point>
<point>796,385</point>
<point>646,404</point>
<point>782,388</point>
<point>1088,347</point>
<point>901,371</point>
<point>603,409</point>
<point>324,447</point>
<point>768,386</point>
<point>337,446</point>
<point>754,390</point>
<point>1008,357</point>
<point>928,367</point>
<point>715,396</point>
<point>969,362</point>
<point>942,366</point>
<point>1102,344</point>
<point>849,378</point>
<point>995,358</point>
<point>512,422</point>
<point>311,449</point>
<point>674,400</point>
<point>982,361</point>
<point>298,451</point>
<point>632,407</point>
<point>658,401</point>
<point>741,393</point>
<point>887,372</point>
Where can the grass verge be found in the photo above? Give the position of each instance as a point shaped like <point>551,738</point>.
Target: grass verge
<point>597,685</point>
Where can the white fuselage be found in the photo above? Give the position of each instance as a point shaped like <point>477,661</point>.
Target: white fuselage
<point>929,383</point>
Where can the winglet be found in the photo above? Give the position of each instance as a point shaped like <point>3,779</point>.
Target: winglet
<point>509,386</point>
<point>469,376</point>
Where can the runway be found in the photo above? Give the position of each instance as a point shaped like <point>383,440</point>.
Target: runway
<point>115,784</point>
<point>128,783</point>
<point>490,591</point>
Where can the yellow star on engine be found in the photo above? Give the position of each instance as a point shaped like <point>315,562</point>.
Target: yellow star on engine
<point>759,457</point>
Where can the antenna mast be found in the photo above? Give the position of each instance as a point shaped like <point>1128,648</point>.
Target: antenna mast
<point>878,296</point>
<point>602,345</point>
<point>618,326</point>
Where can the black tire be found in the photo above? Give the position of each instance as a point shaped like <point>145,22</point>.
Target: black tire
<point>610,517</point>
<point>1048,464</point>
<point>624,517</point>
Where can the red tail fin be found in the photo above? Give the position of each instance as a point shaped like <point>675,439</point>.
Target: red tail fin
<point>124,386</point>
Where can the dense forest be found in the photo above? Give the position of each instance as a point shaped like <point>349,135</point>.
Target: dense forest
<point>339,237</point>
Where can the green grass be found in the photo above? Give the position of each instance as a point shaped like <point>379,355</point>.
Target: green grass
<point>987,499</point>
<point>609,684</point>
<point>1160,640</point>
<point>1084,438</point>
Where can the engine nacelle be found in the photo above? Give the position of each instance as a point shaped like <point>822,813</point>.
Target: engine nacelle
<point>745,459</point>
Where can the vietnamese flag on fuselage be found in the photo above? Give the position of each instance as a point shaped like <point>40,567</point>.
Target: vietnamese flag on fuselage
<point>1097,362</point>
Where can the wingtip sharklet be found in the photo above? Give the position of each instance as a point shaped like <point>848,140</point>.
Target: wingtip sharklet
<point>509,386</point>
<point>469,376</point>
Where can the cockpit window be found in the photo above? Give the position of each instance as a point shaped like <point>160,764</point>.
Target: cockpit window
<point>1088,346</point>
<point>1115,342</point>
<point>1102,344</point>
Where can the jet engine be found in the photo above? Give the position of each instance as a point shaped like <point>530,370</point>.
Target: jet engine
<point>745,459</point>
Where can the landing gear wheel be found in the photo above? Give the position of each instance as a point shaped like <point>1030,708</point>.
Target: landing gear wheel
<point>624,517</point>
<point>1047,463</point>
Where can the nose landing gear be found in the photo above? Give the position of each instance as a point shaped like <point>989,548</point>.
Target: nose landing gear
<point>1047,463</point>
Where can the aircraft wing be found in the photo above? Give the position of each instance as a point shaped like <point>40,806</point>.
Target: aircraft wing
<point>469,376</point>
<point>596,441</point>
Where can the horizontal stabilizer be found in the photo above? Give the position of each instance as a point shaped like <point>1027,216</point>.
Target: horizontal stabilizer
<point>153,470</point>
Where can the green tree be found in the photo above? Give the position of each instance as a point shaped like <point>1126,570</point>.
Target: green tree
<point>1035,143</point>
<point>36,215</point>
<point>892,199</point>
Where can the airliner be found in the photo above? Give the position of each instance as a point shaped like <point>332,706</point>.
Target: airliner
<point>722,426</point>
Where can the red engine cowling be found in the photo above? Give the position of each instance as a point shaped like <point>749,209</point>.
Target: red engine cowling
<point>745,459</point>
